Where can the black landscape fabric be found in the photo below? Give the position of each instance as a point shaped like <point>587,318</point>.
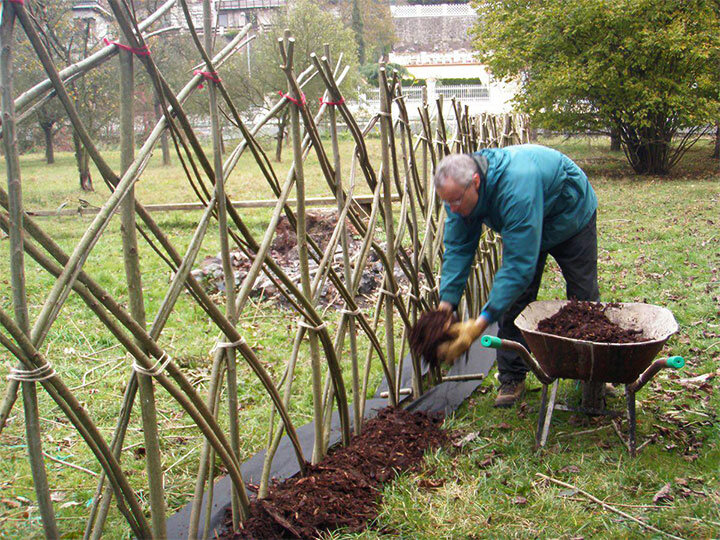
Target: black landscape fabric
<point>443,398</point>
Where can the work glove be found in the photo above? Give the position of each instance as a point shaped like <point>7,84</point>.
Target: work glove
<point>464,334</point>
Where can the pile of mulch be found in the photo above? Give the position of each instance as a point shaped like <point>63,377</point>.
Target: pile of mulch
<point>343,491</point>
<point>429,332</point>
<point>587,321</point>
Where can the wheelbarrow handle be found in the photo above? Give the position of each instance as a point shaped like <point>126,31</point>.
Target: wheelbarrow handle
<point>493,342</point>
<point>674,362</point>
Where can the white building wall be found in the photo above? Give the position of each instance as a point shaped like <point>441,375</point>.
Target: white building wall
<point>434,44</point>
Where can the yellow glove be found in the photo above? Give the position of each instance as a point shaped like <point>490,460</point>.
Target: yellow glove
<point>464,333</point>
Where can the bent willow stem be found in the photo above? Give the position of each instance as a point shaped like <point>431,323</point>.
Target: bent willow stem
<point>402,228</point>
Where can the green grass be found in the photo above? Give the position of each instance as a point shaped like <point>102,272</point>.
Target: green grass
<point>658,242</point>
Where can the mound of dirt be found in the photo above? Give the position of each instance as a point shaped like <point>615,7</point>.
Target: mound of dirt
<point>344,489</point>
<point>320,226</point>
<point>587,321</point>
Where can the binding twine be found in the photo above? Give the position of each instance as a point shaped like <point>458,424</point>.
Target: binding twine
<point>157,368</point>
<point>42,373</point>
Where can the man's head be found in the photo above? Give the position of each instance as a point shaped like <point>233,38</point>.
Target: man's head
<point>457,182</point>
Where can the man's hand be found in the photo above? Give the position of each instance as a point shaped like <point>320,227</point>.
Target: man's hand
<point>465,333</point>
<point>445,306</point>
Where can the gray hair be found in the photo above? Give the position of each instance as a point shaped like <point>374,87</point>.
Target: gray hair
<point>458,167</point>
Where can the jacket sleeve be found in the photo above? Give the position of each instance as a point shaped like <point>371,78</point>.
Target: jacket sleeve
<point>521,238</point>
<point>461,242</point>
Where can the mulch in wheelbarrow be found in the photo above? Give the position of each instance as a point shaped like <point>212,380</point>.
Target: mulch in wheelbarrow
<point>343,490</point>
<point>588,321</point>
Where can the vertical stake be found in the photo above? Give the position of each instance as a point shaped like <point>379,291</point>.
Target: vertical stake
<point>17,265</point>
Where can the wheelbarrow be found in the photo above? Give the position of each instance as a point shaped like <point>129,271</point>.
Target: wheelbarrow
<point>555,357</point>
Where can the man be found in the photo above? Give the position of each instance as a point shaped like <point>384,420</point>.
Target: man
<point>540,202</point>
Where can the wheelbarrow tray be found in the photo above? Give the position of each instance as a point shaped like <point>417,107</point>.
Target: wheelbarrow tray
<point>566,358</point>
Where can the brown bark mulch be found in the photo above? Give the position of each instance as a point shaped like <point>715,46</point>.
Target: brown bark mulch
<point>343,491</point>
<point>587,321</point>
<point>429,332</point>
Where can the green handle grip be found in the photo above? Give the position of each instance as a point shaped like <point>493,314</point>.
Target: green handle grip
<point>675,362</point>
<point>491,341</point>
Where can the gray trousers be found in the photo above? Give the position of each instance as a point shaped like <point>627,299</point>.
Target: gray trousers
<point>577,258</point>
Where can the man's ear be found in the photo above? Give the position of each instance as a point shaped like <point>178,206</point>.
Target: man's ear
<point>476,180</point>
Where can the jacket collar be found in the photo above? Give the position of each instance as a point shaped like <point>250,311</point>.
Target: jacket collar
<point>481,207</point>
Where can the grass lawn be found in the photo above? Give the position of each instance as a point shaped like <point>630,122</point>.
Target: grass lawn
<point>659,242</point>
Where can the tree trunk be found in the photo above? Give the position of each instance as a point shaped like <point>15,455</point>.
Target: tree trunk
<point>615,140</point>
<point>648,149</point>
<point>164,146</point>
<point>49,148</point>
<point>716,150</point>
<point>82,159</point>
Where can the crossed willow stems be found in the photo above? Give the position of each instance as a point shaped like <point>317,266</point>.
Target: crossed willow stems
<point>400,173</point>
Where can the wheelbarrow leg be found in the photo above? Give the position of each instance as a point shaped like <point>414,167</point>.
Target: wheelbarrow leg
<point>541,415</point>
<point>630,400</point>
<point>546,412</point>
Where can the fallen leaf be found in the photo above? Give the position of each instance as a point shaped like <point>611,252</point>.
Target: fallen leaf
<point>69,503</point>
<point>663,495</point>
<point>570,469</point>
<point>519,500</point>
<point>503,425</point>
<point>485,463</point>
<point>431,483</point>
<point>466,439</point>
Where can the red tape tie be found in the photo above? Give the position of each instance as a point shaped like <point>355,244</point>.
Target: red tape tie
<point>143,51</point>
<point>299,103</point>
<point>323,102</point>
<point>208,76</point>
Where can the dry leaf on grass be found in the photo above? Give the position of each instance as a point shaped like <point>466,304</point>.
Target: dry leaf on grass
<point>664,495</point>
<point>466,439</point>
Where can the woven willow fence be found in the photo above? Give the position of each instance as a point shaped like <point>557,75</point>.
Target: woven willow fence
<point>405,237</point>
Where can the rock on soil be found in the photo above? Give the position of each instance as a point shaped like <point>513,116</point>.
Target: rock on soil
<point>343,491</point>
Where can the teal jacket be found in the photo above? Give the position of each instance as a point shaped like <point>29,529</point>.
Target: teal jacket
<point>536,198</point>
